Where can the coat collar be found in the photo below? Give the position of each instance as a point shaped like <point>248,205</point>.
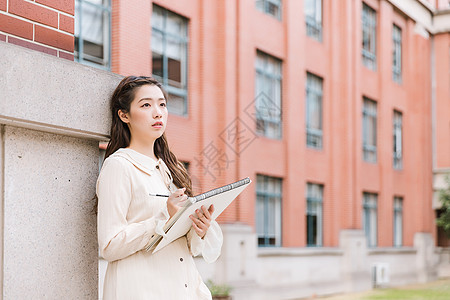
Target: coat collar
<point>145,163</point>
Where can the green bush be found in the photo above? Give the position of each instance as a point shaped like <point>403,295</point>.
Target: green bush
<point>444,219</point>
<point>218,289</point>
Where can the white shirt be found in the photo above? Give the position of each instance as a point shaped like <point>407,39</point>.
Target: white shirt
<point>127,218</point>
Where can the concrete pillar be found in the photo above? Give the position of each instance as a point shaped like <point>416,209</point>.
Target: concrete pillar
<point>426,257</point>
<point>356,274</point>
<point>49,232</point>
<point>444,262</point>
<point>237,264</point>
<point>53,112</point>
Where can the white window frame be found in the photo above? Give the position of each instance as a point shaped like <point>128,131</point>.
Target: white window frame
<point>369,120</point>
<point>396,54</point>
<point>265,5</point>
<point>313,18</point>
<point>79,54</point>
<point>369,30</point>
<point>398,221</point>
<point>370,218</point>
<point>268,96</point>
<point>167,37</point>
<point>314,207</point>
<point>398,140</point>
<point>314,97</point>
<point>268,189</point>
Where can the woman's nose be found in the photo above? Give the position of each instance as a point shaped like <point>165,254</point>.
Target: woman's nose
<point>157,113</point>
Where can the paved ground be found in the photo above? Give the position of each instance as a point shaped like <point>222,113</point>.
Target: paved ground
<point>369,294</point>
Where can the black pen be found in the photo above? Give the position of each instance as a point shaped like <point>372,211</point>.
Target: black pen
<point>191,199</point>
<point>158,195</point>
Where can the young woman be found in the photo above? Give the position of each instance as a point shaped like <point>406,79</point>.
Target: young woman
<point>138,169</point>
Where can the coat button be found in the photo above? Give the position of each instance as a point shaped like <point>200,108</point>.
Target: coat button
<point>185,285</point>
<point>181,259</point>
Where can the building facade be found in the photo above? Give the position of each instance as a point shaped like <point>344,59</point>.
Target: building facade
<point>338,111</point>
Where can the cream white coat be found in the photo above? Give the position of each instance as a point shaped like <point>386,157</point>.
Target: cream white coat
<point>127,218</point>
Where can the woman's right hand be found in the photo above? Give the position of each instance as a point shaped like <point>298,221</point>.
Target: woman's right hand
<point>175,200</point>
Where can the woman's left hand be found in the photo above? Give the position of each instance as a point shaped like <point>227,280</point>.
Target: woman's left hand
<point>202,221</point>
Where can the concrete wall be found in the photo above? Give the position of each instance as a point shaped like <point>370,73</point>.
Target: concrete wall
<point>444,262</point>
<point>292,273</point>
<point>53,112</point>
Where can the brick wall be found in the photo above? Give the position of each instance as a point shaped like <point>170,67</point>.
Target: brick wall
<point>43,25</point>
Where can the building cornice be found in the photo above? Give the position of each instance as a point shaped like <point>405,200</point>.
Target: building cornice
<point>427,5</point>
<point>424,14</point>
<point>52,80</point>
<point>441,21</point>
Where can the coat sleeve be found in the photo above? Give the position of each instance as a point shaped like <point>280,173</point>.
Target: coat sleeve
<point>210,246</point>
<point>117,238</point>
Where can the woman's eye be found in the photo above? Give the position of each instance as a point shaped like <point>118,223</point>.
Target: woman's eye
<point>163,104</point>
<point>146,105</point>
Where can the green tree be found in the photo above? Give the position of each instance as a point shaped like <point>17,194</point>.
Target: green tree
<point>444,219</point>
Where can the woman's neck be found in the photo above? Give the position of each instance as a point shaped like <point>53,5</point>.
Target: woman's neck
<point>143,148</point>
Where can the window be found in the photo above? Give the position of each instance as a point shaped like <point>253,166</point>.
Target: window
<point>268,96</point>
<point>314,91</point>
<point>313,17</point>
<point>398,221</point>
<point>370,218</point>
<point>268,210</point>
<point>370,130</point>
<point>169,56</point>
<point>93,33</point>
<point>398,144</point>
<point>270,7</point>
<point>369,34</point>
<point>314,219</point>
<point>397,54</point>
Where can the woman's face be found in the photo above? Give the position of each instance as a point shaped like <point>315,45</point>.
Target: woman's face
<point>147,118</point>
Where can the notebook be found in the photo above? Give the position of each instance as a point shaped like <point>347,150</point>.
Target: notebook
<point>180,223</point>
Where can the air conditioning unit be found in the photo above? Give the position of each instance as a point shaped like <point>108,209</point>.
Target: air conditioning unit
<point>380,274</point>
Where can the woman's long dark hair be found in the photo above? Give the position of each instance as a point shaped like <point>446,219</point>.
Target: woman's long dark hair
<point>120,133</point>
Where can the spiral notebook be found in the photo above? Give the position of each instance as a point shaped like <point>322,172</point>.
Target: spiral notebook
<point>180,223</point>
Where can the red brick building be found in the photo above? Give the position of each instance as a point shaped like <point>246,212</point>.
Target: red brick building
<point>46,26</point>
<point>338,111</point>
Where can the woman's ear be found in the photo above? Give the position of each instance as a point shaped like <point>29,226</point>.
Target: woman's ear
<point>123,116</point>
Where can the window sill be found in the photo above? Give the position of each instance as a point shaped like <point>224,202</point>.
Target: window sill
<point>304,251</point>
<point>442,250</point>
<point>314,149</point>
<point>392,250</point>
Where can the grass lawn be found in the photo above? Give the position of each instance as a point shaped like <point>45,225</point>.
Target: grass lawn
<point>437,290</point>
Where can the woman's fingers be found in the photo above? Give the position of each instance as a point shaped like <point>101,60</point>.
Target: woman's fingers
<point>206,212</point>
<point>211,209</point>
<point>179,192</point>
<point>199,227</point>
<point>174,200</point>
<point>202,220</point>
<point>176,195</point>
<point>201,233</point>
<point>182,199</point>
